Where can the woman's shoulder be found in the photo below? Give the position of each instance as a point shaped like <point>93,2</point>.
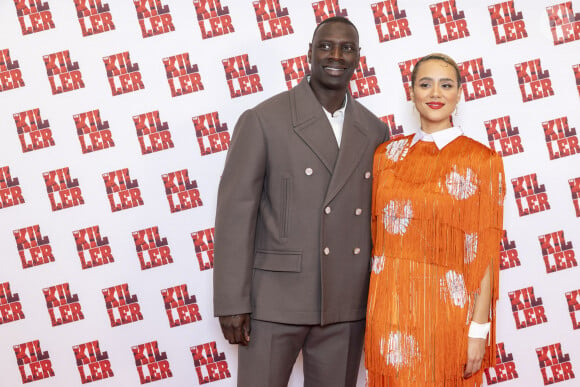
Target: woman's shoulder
<point>472,146</point>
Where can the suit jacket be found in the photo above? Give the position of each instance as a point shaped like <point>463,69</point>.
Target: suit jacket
<point>292,233</point>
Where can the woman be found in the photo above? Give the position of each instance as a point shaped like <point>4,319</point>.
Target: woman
<point>436,224</point>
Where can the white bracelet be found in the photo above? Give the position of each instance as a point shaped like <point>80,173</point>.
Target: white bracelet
<point>478,331</point>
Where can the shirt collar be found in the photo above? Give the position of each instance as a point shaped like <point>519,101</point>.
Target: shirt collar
<point>441,138</point>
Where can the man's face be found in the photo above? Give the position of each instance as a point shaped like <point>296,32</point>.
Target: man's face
<point>333,56</point>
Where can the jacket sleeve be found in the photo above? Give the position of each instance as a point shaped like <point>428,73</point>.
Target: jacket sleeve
<point>239,196</point>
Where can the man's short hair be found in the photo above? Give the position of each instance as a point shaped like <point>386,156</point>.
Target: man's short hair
<point>334,19</point>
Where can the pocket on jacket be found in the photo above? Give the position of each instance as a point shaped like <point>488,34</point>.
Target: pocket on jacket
<point>290,261</point>
<point>285,206</point>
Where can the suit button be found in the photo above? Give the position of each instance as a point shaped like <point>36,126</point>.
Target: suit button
<point>327,210</point>
<point>308,171</point>
<point>367,175</point>
<point>358,211</point>
<point>326,251</point>
<point>356,251</point>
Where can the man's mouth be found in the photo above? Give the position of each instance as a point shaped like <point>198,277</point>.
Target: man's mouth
<point>435,105</point>
<point>333,70</point>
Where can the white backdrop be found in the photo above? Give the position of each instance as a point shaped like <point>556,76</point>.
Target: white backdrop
<point>115,118</point>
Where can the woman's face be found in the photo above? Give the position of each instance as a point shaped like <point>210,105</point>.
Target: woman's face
<point>436,93</point>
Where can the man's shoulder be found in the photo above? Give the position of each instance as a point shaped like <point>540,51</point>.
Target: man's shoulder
<point>276,102</point>
<point>368,117</point>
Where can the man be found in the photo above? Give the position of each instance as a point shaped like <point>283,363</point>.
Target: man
<point>292,244</point>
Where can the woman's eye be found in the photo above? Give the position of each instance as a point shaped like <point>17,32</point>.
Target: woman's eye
<point>423,85</point>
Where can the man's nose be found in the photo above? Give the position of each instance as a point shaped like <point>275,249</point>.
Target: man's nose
<point>336,51</point>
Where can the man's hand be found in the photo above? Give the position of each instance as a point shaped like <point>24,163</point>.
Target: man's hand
<point>236,328</point>
<point>475,352</point>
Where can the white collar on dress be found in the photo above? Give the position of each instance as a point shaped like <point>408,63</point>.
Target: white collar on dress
<point>441,138</point>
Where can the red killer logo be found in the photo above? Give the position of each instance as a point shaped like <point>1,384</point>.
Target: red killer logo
<point>449,23</point>
<point>63,191</point>
<point>505,368</point>
<point>10,306</point>
<point>406,69</point>
<point>34,248</point>
<point>92,364</point>
<point>33,363</point>
<point>508,24</point>
<point>327,8</point>
<point>391,22</point>
<point>122,192</point>
<point>558,253</point>
<point>554,364</point>
<point>124,76</point>
<point>295,69</point>
<point>574,189</point>
<point>63,307</point>
<point>564,24</point>
<point>243,78</point>
<point>93,133</point>
<point>152,365</point>
<point>183,78</point>
<point>10,74</point>
<point>575,69</point>
<point>503,139</point>
<point>531,197</point>
<point>122,307</point>
<point>527,310</point>
<point>182,193</point>
<point>181,308</point>
<point>94,17</point>
<point>93,250</point>
<point>33,16</point>
<point>212,136</point>
<point>534,82</point>
<point>273,21</point>
<point>213,20</point>
<point>33,132</point>
<point>395,131</point>
<point>152,250</point>
<point>364,81</point>
<point>10,191</point>
<point>152,133</point>
<point>63,74</point>
<point>154,17</point>
<point>203,243</point>
<point>476,80</point>
<point>508,253</point>
<point>573,299</point>
<point>560,138</point>
<point>210,365</point>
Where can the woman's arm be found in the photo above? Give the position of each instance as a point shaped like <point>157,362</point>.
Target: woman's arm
<point>476,346</point>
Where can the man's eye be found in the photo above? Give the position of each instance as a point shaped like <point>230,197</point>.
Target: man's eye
<point>324,46</point>
<point>348,48</point>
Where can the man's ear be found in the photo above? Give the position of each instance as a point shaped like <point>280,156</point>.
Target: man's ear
<point>309,52</point>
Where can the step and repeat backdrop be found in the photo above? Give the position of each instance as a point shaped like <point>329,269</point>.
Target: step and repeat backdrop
<point>115,120</point>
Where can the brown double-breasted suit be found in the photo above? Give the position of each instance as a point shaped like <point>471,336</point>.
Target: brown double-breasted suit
<point>292,241</point>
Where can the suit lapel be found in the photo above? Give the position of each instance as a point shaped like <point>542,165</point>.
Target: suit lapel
<point>312,126</point>
<point>352,147</point>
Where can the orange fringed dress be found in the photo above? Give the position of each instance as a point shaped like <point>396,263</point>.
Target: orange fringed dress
<point>436,226</point>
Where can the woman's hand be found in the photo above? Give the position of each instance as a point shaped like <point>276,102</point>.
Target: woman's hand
<point>475,352</point>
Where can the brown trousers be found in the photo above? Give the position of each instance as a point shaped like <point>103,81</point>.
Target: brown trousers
<point>331,354</point>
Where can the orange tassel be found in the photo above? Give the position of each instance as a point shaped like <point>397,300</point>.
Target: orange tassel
<point>437,223</point>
